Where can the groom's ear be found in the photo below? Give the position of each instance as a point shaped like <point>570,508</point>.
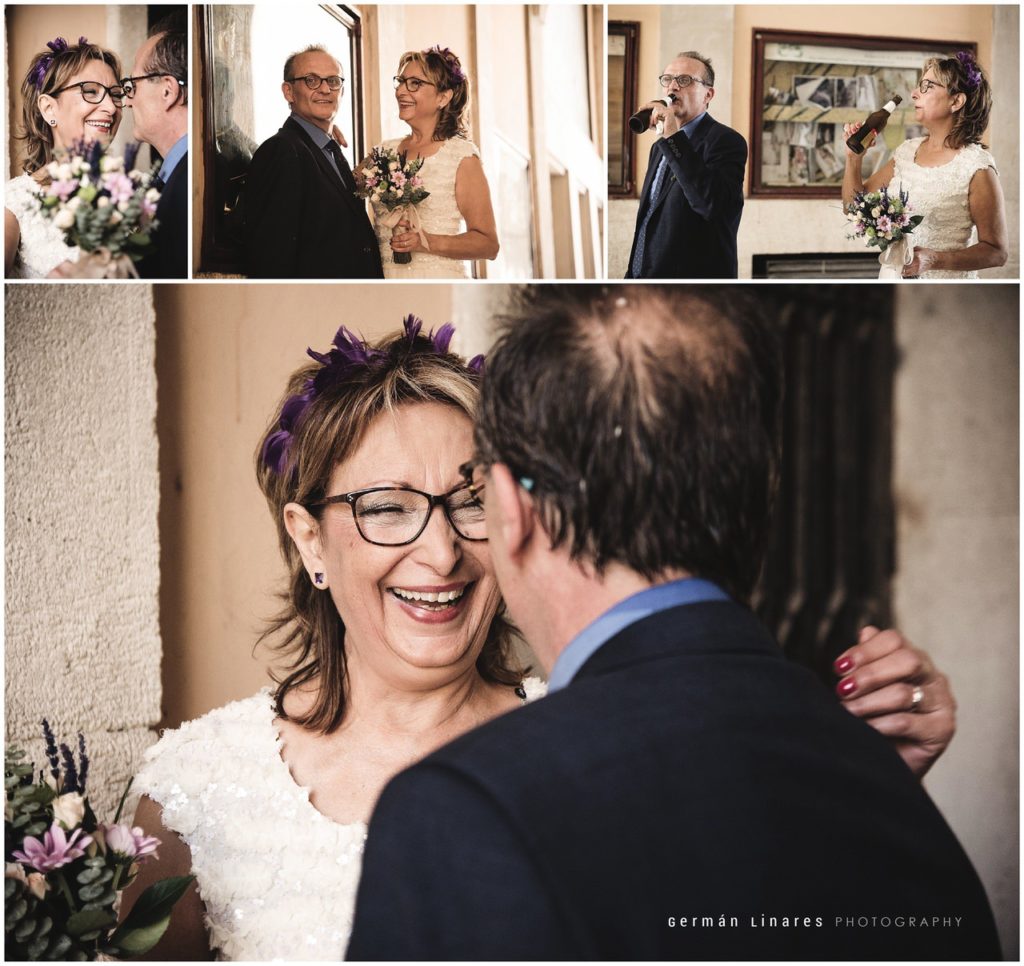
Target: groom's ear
<point>304,529</point>
<point>513,510</point>
<point>286,89</point>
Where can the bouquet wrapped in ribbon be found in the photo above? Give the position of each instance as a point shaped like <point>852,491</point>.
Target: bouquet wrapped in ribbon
<point>392,181</point>
<point>104,206</point>
<point>64,870</point>
<point>885,221</point>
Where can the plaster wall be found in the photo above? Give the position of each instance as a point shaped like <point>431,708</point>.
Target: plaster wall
<point>81,487</point>
<point>956,588</point>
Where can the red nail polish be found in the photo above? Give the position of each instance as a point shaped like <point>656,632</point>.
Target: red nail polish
<point>843,665</point>
<point>847,686</point>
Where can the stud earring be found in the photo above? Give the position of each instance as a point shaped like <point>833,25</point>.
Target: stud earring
<point>318,579</point>
<point>53,122</point>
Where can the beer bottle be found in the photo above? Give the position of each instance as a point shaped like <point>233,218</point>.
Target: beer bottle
<point>872,127</point>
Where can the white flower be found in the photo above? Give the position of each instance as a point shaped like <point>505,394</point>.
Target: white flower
<point>393,166</point>
<point>53,170</point>
<point>875,212</point>
<point>73,203</point>
<point>102,201</point>
<point>64,219</point>
<point>122,206</point>
<point>84,180</point>
<point>64,172</point>
<point>152,196</point>
<point>111,163</point>
<point>116,218</point>
<point>68,809</point>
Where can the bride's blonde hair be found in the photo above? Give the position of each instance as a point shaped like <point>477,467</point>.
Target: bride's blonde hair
<point>969,79</point>
<point>445,70</point>
<point>49,71</point>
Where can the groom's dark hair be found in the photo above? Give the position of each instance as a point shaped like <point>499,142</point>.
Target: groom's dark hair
<point>170,54</point>
<point>646,422</point>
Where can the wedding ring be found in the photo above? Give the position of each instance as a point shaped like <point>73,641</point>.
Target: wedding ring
<point>916,698</point>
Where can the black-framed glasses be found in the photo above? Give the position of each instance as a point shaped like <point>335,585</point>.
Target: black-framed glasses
<point>473,475</point>
<point>130,83</point>
<point>682,80</point>
<point>412,84</point>
<point>393,516</point>
<point>93,92</point>
<point>313,81</point>
<point>926,85</point>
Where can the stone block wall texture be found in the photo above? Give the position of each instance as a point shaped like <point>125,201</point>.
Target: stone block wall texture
<point>956,589</point>
<point>82,549</point>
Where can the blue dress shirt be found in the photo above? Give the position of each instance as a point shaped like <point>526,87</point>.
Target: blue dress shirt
<point>689,590</point>
<point>321,139</point>
<point>177,152</point>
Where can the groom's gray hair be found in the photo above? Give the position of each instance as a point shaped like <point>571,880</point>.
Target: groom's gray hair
<point>289,64</point>
<point>709,71</point>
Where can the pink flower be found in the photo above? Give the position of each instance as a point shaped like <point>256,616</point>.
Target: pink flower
<point>417,181</point>
<point>398,179</point>
<point>63,189</point>
<point>130,843</point>
<point>119,185</point>
<point>884,224</point>
<point>55,850</point>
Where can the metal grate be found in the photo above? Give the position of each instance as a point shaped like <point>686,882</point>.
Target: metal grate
<point>816,266</point>
<point>832,551</point>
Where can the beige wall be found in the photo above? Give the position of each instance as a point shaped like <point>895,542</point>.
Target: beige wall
<point>766,225</point>
<point>224,352</point>
<point>118,28</point>
<point>956,588</point>
<point>80,514</point>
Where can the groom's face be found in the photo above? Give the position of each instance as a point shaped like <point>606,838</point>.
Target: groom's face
<point>320,106</point>
<point>689,101</point>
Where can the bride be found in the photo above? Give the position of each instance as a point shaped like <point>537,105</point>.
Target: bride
<point>432,92</point>
<point>395,644</point>
<point>950,178</point>
<point>71,93</point>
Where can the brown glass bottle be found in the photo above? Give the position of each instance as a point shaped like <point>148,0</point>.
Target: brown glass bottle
<point>872,127</point>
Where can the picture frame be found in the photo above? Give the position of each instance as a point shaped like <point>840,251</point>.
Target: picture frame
<point>623,53</point>
<point>807,85</point>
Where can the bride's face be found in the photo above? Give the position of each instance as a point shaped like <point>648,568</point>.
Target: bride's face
<point>77,119</point>
<point>421,105</point>
<point>936,105</point>
<point>403,640</point>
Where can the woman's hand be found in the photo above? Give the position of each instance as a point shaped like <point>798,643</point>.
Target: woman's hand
<point>897,690</point>
<point>848,131</point>
<point>338,136</point>
<point>65,269</point>
<point>924,260</point>
<point>12,237</point>
<point>407,240</point>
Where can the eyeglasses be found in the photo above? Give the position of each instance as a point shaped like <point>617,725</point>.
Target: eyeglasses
<point>396,516</point>
<point>313,81</point>
<point>412,84</point>
<point>926,85</point>
<point>93,92</point>
<point>129,83</point>
<point>682,80</point>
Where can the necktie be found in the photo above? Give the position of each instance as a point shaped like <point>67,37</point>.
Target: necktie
<point>641,234</point>
<point>344,172</point>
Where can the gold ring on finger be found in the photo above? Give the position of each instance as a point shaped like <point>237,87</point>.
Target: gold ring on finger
<point>916,698</point>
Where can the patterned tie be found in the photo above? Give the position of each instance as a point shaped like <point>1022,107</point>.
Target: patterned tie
<point>641,234</point>
<point>344,172</point>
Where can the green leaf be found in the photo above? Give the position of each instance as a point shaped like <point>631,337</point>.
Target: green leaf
<point>96,862</point>
<point>16,912</point>
<point>45,925</point>
<point>24,929</point>
<point>149,917</point>
<point>88,875</point>
<point>89,892</point>
<point>10,887</point>
<point>120,804</point>
<point>37,947</point>
<point>59,948</point>
<point>89,919</point>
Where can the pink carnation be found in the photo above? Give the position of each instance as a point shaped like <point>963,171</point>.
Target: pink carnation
<point>131,843</point>
<point>884,224</point>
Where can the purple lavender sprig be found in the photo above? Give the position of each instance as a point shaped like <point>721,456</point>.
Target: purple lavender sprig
<point>51,750</point>
<point>70,771</point>
<point>83,763</point>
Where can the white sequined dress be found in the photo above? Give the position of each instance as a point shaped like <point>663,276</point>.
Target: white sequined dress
<point>439,213</point>
<point>278,879</point>
<point>941,195</point>
<point>41,247</point>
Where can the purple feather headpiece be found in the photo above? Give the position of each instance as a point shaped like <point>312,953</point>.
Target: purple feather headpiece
<point>452,64</point>
<point>970,66</point>
<point>58,45</point>
<point>348,355</point>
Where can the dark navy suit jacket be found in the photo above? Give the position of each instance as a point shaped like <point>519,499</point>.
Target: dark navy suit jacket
<point>687,771</point>
<point>169,259</point>
<point>692,233</point>
<point>300,219</point>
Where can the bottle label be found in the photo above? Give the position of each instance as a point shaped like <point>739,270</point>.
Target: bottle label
<point>890,107</point>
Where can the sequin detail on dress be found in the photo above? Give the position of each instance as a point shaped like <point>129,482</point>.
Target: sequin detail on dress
<point>277,877</point>
<point>941,195</point>
<point>439,213</point>
<point>41,247</point>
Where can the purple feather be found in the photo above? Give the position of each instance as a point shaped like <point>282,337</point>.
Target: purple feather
<point>58,45</point>
<point>412,326</point>
<point>275,450</point>
<point>443,338</point>
<point>476,364</point>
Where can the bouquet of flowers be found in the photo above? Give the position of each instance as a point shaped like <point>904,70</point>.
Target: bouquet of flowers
<point>64,870</point>
<point>390,180</point>
<point>881,218</point>
<point>104,206</point>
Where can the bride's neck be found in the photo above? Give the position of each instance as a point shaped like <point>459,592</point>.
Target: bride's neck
<point>420,136</point>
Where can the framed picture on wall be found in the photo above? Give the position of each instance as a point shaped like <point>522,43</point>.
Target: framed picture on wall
<point>623,49</point>
<point>808,85</point>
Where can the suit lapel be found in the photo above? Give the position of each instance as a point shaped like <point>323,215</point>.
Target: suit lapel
<point>696,141</point>
<point>321,160</point>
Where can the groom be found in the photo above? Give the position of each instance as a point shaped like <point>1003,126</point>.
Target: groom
<point>301,214</point>
<point>683,792</point>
